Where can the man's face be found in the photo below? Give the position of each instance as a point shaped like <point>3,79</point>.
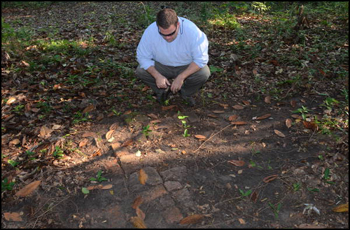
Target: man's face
<point>169,34</point>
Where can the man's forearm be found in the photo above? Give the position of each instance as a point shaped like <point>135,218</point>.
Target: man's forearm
<point>191,69</point>
<point>154,72</point>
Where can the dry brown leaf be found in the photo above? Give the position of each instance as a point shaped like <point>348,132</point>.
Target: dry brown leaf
<point>246,102</point>
<point>89,134</point>
<point>10,100</point>
<point>140,213</point>
<point>238,107</point>
<point>267,99</point>
<point>239,123</point>
<point>28,189</point>
<point>191,219</point>
<point>236,162</point>
<point>296,116</point>
<point>263,116</point>
<point>254,196</point>
<point>83,142</point>
<point>270,178</point>
<point>310,125</point>
<point>199,136</point>
<point>288,123</point>
<point>127,142</point>
<point>137,202</point>
<point>279,133</point>
<point>12,216</point>
<point>218,111</point>
<point>143,176</point>
<point>45,132</point>
<point>241,221</point>
<point>233,117</point>
<point>137,222</point>
<point>255,72</point>
<point>114,126</point>
<point>89,109</point>
<point>224,105</point>
<point>170,107</point>
<point>152,115</point>
<point>107,186</point>
<point>109,134</point>
<point>293,103</point>
<point>341,208</point>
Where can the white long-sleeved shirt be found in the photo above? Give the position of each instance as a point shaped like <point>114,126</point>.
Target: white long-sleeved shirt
<point>190,45</point>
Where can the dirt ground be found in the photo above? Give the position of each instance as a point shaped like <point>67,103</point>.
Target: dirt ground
<point>241,166</point>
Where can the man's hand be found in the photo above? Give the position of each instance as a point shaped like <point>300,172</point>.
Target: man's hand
<point>162,82</point>
<point>177,84</point>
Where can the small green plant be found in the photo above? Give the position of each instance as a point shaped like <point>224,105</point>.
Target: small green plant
<point>296,187</point>
<point>6,185</point>
<point>146,131</point>
<point>275,208</point>
<point>13,163</point>
<point>18,109</point>
<point>184,124</point>
<point>245,194</point>
<point>80,117</point>
<point>58,153</point>
<point>98,178</point>
<point>303,110</point>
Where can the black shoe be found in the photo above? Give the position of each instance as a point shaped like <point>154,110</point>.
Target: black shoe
<point>190,101</point>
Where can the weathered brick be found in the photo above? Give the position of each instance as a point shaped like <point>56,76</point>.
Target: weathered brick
<point>172,185</point>
<point>172,215</point>
<point>174,174</point>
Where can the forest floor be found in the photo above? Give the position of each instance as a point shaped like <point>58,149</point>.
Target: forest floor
<point>84,145</point>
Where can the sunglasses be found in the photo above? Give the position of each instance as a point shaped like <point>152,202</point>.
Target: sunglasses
<point>167,35</point>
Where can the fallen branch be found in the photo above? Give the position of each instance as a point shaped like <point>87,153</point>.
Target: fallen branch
<point>212,137</point>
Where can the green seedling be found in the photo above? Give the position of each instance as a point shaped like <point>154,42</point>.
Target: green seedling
<point>275,209</point>
<point>99,177</point>
<point>184,124</point>
<point>303,110</point>
<point>6,185</point>
<point>245,194</point>
<point>296,187</point>
<point>58,153</point>
<point>13,163</point>
<point>146,130</point>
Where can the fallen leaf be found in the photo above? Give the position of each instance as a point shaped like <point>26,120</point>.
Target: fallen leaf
<point>127,142</point>
<point>140,213</point>
<point>212,115</point>
<point>28,189</point>
<point>83,142</point>
<point>114,126</point>
<point>45,132</point>
<point>254,196</point>
<point>241,221</point>
<point>246,102</point>
<point>239,123</point>
<point>12,216</point>
<point>341,208</point>
<point>270,178</point>
<point>107,186</point>
<point>224,105</point>
<point>151,115</point>
<point>279,133</point>
<point>137,202</point>
<point>143,177</point>
<point>293,103</point>
<point>263,116</point>
<point>233,117</point>
<point>89,134</point>
<point>236,162</point>
<point>191,219</point>
<point>10,100</point>
<point>310,125</point>
<point>238,107</point>
<point>89,109</point>
<point>137,222</point>
<point>170,107</point>
<point>218,111</point>
<point>296,116</point>
<point>199,136</point>
<point>109,134</point>
<point>288,123</point>
<point>267,99</point>
<point>255,72</point>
